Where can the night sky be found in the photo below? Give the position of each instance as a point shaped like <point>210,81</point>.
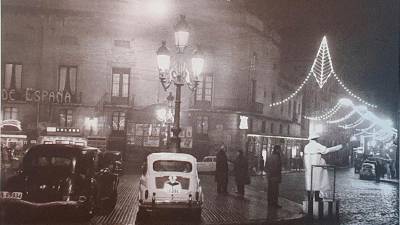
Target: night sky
<point>363,38</point>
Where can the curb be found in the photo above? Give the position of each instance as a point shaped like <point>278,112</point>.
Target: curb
<point>390,181</point>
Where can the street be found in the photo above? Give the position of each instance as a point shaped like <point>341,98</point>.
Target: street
<point>361,201</point>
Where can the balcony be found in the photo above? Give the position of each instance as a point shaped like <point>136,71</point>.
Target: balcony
<point>239,105</point>
<point>256,107</point>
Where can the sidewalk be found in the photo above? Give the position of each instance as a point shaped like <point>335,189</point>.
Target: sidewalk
<point>252,209</point>
<point>392,181</point>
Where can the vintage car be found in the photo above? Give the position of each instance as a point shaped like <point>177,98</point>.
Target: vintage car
<point>58,181</point>
<point>170,183</point>
<point>367,170</point>
<point>209,163</point>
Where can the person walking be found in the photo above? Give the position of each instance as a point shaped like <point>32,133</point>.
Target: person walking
<point>221,172</point>
<point>241,172</point>
<point>274,177</point>
<point>312,156</point>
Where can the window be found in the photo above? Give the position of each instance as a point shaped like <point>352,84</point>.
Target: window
<point>253,90</point>
<point>290,108</point>
<point>295,107</point>
<point>272,128</point>
<point>288,129</point>
<point>204,90</point>
<point>65,118</point>
<point>12,76</point>
<point>202,125</point>
<point>280,129</point>
<point>10,113</point>
<point>67,79</point>
<point>120,82</point>
<point>263,125</point>
<point>118,121</point>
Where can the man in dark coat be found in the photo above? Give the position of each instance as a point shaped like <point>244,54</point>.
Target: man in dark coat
<point>274,177</point>
<point>241,171</point>
<point>221,172</point>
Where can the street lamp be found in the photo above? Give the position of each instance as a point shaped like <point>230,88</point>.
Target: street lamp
<point>179,74</point>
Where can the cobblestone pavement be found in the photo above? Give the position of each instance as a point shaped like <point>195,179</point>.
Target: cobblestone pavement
<point>217,209</point>
<point>362,202</point>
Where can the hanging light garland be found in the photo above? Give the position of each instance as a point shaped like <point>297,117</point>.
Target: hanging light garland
<point>342,102</point>
<point>293,94</point>
<point>343,118</point>
<point>352,94</point>
<point>326,115</point>
<point>322,69</point>
<point>353,125</point>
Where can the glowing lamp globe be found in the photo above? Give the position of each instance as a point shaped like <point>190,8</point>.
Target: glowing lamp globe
<point>197,63</point>
<point>181,33</point>
<point>163,58</point>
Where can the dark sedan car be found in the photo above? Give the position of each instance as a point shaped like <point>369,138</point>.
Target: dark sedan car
<point>59,181</point>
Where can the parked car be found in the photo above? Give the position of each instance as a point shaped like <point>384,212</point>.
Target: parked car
<point>59,181</point>
<point>208,165</point>
<point>112,160</point>
<point>170,183</point>
<point>367,170</point>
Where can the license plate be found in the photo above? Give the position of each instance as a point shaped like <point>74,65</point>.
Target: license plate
<point>13,195</point>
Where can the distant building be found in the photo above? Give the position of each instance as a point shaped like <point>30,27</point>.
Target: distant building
<point>91,65</point>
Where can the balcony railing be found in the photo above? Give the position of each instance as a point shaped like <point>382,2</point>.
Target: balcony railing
<point>238,105</point>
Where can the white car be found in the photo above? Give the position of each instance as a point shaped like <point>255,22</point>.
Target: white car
<point>170,182</point>
<point>207,165</point>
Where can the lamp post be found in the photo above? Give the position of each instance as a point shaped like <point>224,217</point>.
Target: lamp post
<point>179,74</point>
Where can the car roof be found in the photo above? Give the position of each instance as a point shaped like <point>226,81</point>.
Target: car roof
<point>55,149</point>
<point>171,156</point>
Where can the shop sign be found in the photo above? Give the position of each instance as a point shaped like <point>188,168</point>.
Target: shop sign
<point>32,95</point>
<point>11,123</point>
<point>151,141</point>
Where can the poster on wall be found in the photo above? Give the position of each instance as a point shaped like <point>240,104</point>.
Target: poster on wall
<point>186,142</point>
<point>151,141</point>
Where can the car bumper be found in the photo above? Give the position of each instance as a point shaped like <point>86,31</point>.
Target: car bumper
<point>12,209</point>
<point>170,206</point>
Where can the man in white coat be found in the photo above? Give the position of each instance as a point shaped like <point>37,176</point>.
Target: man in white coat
<point>312,156</point>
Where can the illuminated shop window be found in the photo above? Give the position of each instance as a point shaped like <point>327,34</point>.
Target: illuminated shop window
<point>67,79</point>
<point>12,76</point>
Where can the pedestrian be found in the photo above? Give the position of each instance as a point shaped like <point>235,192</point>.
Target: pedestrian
<point>312,156</point>
<point>241,171</point>
<point>378,172</point>
<point>274,177</point>
<point>221,172</point>
<point>261,165</point>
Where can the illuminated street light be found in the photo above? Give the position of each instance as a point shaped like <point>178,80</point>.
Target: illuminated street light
<point>179,74</point>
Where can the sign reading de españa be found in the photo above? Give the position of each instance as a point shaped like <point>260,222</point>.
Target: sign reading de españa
<point>32,95</point>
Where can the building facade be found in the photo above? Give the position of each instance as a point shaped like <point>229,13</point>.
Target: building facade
<point>91,66</point>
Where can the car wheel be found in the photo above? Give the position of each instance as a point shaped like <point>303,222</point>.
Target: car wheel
<point>141,215</point>
<point>110,203</point>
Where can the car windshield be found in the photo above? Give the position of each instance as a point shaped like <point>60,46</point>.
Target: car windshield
<point>172,165</point>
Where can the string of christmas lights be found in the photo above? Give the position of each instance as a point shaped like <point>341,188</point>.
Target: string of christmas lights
<point>352,94</point>
<point>343,118</point>
<point>293,94</point>
<point>322,69</point>
<point>326,115</point>
<point>354,124</point>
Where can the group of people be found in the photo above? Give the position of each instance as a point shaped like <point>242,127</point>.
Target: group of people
<point>242,176</point>
<point>313,152</point>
